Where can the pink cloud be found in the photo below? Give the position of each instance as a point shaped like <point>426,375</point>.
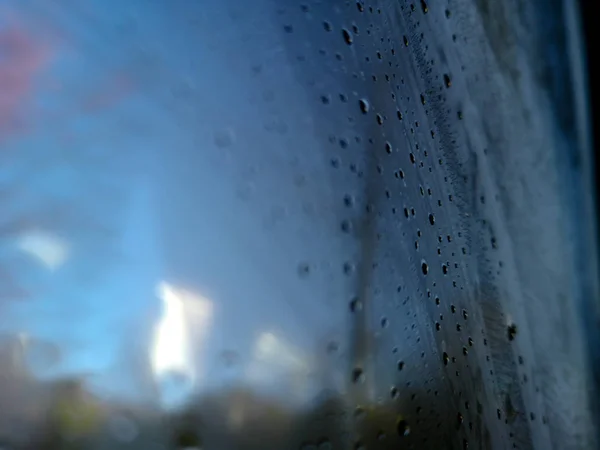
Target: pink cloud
<point>22,57</point>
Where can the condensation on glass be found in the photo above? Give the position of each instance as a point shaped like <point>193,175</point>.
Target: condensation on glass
<point>295,225</point>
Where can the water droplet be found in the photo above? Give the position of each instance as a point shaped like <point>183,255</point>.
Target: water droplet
<point>394,393</point>
<point>303,270</point>
<point>403,428</point>
<point>358,375</point>
<point>512,332</point>
<point>346,226</point>
<point>447,80</point>
<point>359,413</point>
<point>445,358</point>
<point>347,36</point>
<point>364,105</point>
<point>424,268</point>
<point>388,148</point>
<point>348,201</point>
<point>431,219</point>
<point>327,26</point>
<point>347,268</point>
<point>356,305</point>
<point>332,347</point>
<point>400,365</point>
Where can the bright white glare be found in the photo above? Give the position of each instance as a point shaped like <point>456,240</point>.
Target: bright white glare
<point>45,247</point>
<point>170,352</point>
<point>183,312</point>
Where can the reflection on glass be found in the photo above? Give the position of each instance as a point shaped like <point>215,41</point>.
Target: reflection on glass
<point>277,365</point>
<point>275,352</point>
<point>176,348</point>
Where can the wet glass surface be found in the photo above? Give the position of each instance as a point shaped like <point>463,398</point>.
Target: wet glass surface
<point>282,225</point>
